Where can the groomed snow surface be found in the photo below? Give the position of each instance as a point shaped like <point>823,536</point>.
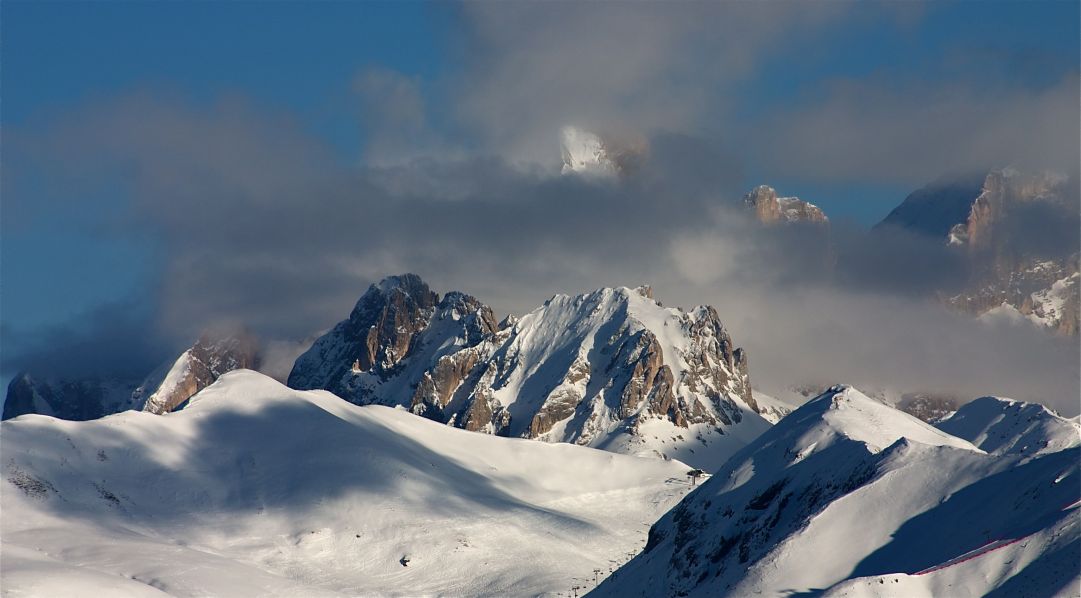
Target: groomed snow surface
<point>259,490</point>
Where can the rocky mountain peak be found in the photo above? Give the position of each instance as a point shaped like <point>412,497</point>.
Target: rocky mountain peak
<point>769,208</point>
<point>385,319</point>
<point>394,320</point>
<point>597,369</point>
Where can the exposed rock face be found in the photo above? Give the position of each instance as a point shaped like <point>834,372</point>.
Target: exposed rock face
<point>377,335</point>
<point>770,209</point>
<point>1012,272</point>
<point>201,366</point>
<point>1002,191</point>
<point>393,340</point>
<point>590,369</point>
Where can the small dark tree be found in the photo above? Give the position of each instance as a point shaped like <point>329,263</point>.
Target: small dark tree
<point>694,474</point>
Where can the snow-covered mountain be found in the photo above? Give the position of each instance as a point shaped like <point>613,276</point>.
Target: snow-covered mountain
<point>255,489</point>
<point>611,369</point>
<point>585,153</point>
<point>847,496</point>
<point>1005,426</point>
<point>770,209</point>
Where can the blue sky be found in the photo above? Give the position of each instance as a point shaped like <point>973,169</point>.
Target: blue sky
<point>61,259</point>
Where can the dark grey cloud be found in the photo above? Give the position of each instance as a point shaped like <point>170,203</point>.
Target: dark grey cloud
<point>119,339</point>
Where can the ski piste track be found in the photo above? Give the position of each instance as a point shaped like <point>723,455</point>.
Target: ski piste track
<point>991,546</point>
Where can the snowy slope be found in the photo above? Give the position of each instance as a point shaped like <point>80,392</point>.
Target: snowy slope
<point>849,497</point>
<point>258,490</point>
<point>999,425</point>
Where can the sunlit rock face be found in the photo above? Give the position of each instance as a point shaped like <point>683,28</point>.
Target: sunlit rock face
<point>200,366</point>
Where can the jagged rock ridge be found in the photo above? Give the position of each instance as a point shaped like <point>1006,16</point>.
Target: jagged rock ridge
<point>596,369</point>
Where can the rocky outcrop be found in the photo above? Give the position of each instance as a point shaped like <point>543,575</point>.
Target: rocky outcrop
<point>201,366</point>
<point>770,209</point>
<point>586,369</point>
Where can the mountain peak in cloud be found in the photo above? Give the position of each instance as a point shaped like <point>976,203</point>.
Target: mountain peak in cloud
<point>585,153</point>
<point>769,208</point>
